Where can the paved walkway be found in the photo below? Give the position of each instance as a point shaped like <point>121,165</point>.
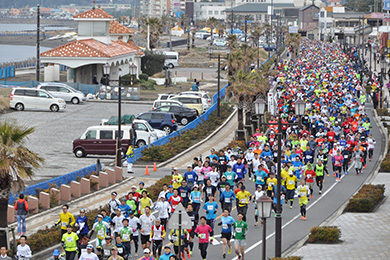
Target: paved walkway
<point>364,235</point>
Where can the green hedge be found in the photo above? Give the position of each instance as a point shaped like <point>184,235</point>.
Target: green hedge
<point>385,164</point>
<point>324,235</point>
<point>367,198</point>
<point>188,138</point>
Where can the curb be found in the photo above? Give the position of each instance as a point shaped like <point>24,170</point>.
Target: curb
<point>340,210</point>
<point>146,102</point>
<point>201,142</point>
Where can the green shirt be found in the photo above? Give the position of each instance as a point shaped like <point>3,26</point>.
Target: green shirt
<point>126,234</point>
<point>319,170</point>
<point>230,176</point>
<point>240,229</point>
<point>132,204</point>
<point>70,241</point>
<point>366,126</point>
<point>101,229</point>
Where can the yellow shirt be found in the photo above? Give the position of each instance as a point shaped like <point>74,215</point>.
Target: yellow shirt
<point>303,191</point>
<point>271,183</point>
<point>243,198</point>
<point>288,153</point>
<point>290,182</point>
<point>284,175</point>
<point>176,181</point>
<point>66,219</point>
<point>70,241</point>
<point>143,203</point>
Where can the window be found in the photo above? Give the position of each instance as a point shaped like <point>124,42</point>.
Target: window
<point>106,134</point>
<point>42,94</point>
<point>158,116</point>
<point>30,93</point>
<point>146,116</point>
<point>190,100</point>
<point>99,28</point>
<point>141,127</point>
<point>19,92</point>
<point>210,12</point>
<point>90,134</point>
<point>175,109</point>
<point>84,29</point>
<point>216,12</point>
<point>64,90</point>
<point>116,134</point>
<point>51,88</point>
<point>163,109</point>
<point>322,14</point>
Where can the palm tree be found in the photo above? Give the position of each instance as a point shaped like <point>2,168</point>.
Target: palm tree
<point>212,22</point>
<point>16,163</point>
<point>155,30</point>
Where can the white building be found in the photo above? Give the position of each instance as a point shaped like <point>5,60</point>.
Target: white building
<point>205,10</point>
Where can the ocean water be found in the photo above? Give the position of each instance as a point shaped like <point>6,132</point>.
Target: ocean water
<point>28,27</point>
<point>18,52</point>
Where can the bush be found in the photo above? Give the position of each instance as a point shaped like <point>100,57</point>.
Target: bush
<point>287,258</point>
<point>187,138</point>
<point>152,62</point>
<point>324,234</point>
<point>4,104</point>
<point>367,198</point>
<point>156,188</point>
<point>382,112</point>
<point>385,164</point>
<point>144,77</point>
<point>148,84</point>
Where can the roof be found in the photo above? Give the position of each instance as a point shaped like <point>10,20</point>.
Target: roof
<point>291,12</point>
<point>308,6</point>
<point>348,15</point>
<point>94,13</point>
<point>91,48</point>
<point>329,8</point>
<point>135,46</point>
<point>257,7</point>
<point>118,28</point>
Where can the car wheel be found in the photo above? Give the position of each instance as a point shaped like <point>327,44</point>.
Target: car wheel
<point>184,121</point>
<point>54,108</point>
<point>141,143</point>
<point>79,152</point>
<point>171,66</point>
<point>19,107</point>
<point>167,129</point>
<point>75,100</point>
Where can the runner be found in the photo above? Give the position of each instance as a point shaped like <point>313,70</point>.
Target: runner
<point>157,236</point>
<point>113,204</point>
<point>102,228</point>
<point>66,218</point>
<point>194,216</point>
<point>115,255</point>
<point>243,198</point>
<point>163,208</point>
<point>144,202</point>
<point>184,192</point>
<point>319,169</point>
<point>226,233</point>
<point>260,176</point>
<point>89,255</point>
<point>309,175</point>
<point>82,225</point>
<point>126,233</point>
<point>167,253</point>
<point>134,224</point>
<point>240,232</point>
<point>211,208</point>
<point>176,178</point>
<point>371,145</point>
<point>258,193</point>
<point>23,251</point>
<point>174,200</point>
<point>227,198</point>
<point>174,238</point>
<point>230,176</point>
<point>69,243</point>
<point>147,220</point>
<point>204,232</point>
<point>303,192</point>
<point>196,198</point>
<point>105,250</point>
<point>338,162</point>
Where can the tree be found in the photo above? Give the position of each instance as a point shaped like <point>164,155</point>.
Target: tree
<point>212,22</point>
<point>155,30</point>
<point>16,163</point>
<point>152,63</point>
<point>294,41</point>
<point>361,5</point>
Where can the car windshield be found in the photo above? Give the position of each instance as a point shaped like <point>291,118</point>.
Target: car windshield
<point>72,89</point>
<point>149,126</point>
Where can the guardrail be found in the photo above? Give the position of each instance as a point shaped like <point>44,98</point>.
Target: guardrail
<point>7,72</point>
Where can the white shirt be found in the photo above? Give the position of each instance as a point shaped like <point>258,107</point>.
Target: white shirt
<point>23,252</point>
<point>91,256</point>
<point>163,208</point>
<point>118,221</point>
<point>214,177</point>
<point>371,143</point>
<point>146,223</point>
<point>133,223</point>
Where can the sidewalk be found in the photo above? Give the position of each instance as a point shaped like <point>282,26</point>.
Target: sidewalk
<point>364,235</point>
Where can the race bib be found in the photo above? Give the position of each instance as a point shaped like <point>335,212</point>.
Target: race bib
<point>174,206</point>
<point>196,198</point>
<point>303,194</point>
<point>126,237</point>
<point>271,184</point>
<point>309,176</point>
<point>239,230</point>
<point>227,200</point>
<point>174,238</point>
<point>84,250</point>
<point>69,239</point>
<point>202,236</point>
<point>259,179</point>
<point>229,177</point>
<point>100,233</point>
<point>210,207</point>
<point>183,195</point>
<point>64,224</point>
<point>224,226</point>
<point>291,182</point>
<point>243,200</point>
<point>345,156</point>
<point>107,252</point>
<point>238,170</point>
<point>120,250</point>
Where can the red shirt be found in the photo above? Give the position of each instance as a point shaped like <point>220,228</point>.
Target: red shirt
<point>174,201</point>
<point>331,136</point>
<point>310,174</point>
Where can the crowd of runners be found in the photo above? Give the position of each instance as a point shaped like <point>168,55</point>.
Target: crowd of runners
<point>333,137</point>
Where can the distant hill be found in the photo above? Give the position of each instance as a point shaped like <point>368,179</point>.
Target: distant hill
<point>46,3</point>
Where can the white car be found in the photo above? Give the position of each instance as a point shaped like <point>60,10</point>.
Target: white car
<point>61,90</point>
<point>164,96</point>
<point>206,100</point>
<point>159,103</point>
<point>220,42</point>
<point>39,99</point>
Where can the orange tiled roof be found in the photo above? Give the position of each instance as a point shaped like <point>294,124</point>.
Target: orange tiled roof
<point>118,28</point>
<point>94,13</point>
<point>329,8</point>
<point>90,48</point>
<point>135,46</point>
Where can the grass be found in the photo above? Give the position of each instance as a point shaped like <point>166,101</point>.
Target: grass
<point>367,198</point>
<point>4,104</point>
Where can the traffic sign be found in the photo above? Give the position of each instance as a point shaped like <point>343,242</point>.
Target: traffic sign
<point>386,5</point>
<point>186,222</point>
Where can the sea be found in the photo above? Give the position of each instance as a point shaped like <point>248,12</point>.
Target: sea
<point>18,27</point>
<point>9,53</point>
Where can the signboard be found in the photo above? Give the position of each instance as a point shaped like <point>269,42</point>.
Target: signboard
<point>269,10</point>
<point>380,15</point>
<point>385,20</point>
<point>186,222</point>
<point>271,103</point>
<point>386,5</point>
<point>293,29</point>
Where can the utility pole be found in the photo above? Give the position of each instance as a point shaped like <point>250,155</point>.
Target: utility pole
<point>232,22</point>
<point>246,27</point>
<point>219,85</point>
<point>38,67</point>
<point>148,35</point>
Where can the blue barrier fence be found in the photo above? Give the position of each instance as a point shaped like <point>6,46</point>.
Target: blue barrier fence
<point>64,179</point>
<point>191,125</point>
<point>7,72</point>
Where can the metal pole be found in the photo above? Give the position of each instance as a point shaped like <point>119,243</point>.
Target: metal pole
<point>278,219</point>
<point>246,27</point>
<point>219,84</point>
<point>264,237</point>
<point>370,56</point>
<point>119,159</point>
<point>38,67</point>
<point>180,235</point>
<point>148,36</point>
<point>231,24</point>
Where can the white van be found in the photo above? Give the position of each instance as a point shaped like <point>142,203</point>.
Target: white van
<point>206,100</point>
<point>29,98</point>
<point>159,103</point>
<point>171,59</point>
<point>63,91</point>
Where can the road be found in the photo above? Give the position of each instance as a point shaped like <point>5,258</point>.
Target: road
<point>54,133</point>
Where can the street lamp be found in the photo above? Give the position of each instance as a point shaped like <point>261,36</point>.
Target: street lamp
<point>260,106</point>
<point>106,71</point>
<point>133,72</point>
<point>264,207</point>
<point>300,106</point>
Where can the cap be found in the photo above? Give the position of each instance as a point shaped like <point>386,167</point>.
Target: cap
<point>123,199</point>
<point>189,166</point>
<point>133,187</point>
<point>114,193</point>
<point>175,168</point>
<point>89,246</point>
<point>141,183</point>
<point>259,186</point>
<point>170,186</point>
<point>99,216</point>
<point>131,212</point>
<point>196,186</point>
<point>107,238</point>
<point>125,219</point>
<point>146,251</point>
<point>250,148</point>
<point>114,248</point>
<point>69,225</point>
<point>56,252</point>
<point>167,247</point>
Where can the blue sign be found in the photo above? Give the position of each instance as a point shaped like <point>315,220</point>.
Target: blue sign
<point>386,5</point>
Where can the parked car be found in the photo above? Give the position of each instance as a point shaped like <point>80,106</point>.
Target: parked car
<point>63,91</point>
<point>191,102</point>
<point>206,100</point>
<point>220,42</point>
<point>183,115</point>
<point>215,36</point>
<point>39,99</point>
<point>269,47</point>
<point>159,103</point>
<point>164,96</point>
<point>101,140</point>
<point>159,120</point>
<point>145,132</point>
<point>171,59</point>
<point>202,35</point>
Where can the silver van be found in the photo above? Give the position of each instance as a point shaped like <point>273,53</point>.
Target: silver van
<point>30,98</point>
<point>63,91</point>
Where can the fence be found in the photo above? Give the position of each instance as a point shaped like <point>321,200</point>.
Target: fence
<point>7,72</point>
<point>64,179</point>
<point>192,125</point>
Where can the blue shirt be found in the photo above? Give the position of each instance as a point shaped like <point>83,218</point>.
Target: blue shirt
<point>191,176</point>
<point>211,208</point>
<point>266,153</point>
<point>80,220</point>
<point>184,192</point>
<point>124,209</point>
<point>260,177</point>
<point>196,196</point>
<point>228,197</point>
<point>240,170</point>
<point>165,256</point>
<point>169,194</point>
<point>227,223</point>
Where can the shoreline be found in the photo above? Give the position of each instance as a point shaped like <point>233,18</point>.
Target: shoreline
<point>30,41</point>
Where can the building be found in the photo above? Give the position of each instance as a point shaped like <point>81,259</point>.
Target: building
<point>205,10</point>
<point>100,41</point>
<point>308,20</point>
<point>325,20</point>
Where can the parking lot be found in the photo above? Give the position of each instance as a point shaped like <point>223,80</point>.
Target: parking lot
<point>54,133</point>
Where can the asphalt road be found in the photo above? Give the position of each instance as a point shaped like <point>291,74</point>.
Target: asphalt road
<point>54,133</point>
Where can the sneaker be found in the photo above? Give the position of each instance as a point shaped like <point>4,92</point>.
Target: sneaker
<point>19,233</point>
<point>250,178</point>
<point>229,251</point>
<point>327,175</point>
<point>320,192</point>
<point>311,196</point>
<point>304,218</point>
<point>364,167</point>
<point>190,252</point>
<point>257,223</point>
<point>136,254</point>
<point>239,257</point>
<point>273,211</point>
<point>291,207</point>
<point>346,172</point>
<point>224,255</point>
